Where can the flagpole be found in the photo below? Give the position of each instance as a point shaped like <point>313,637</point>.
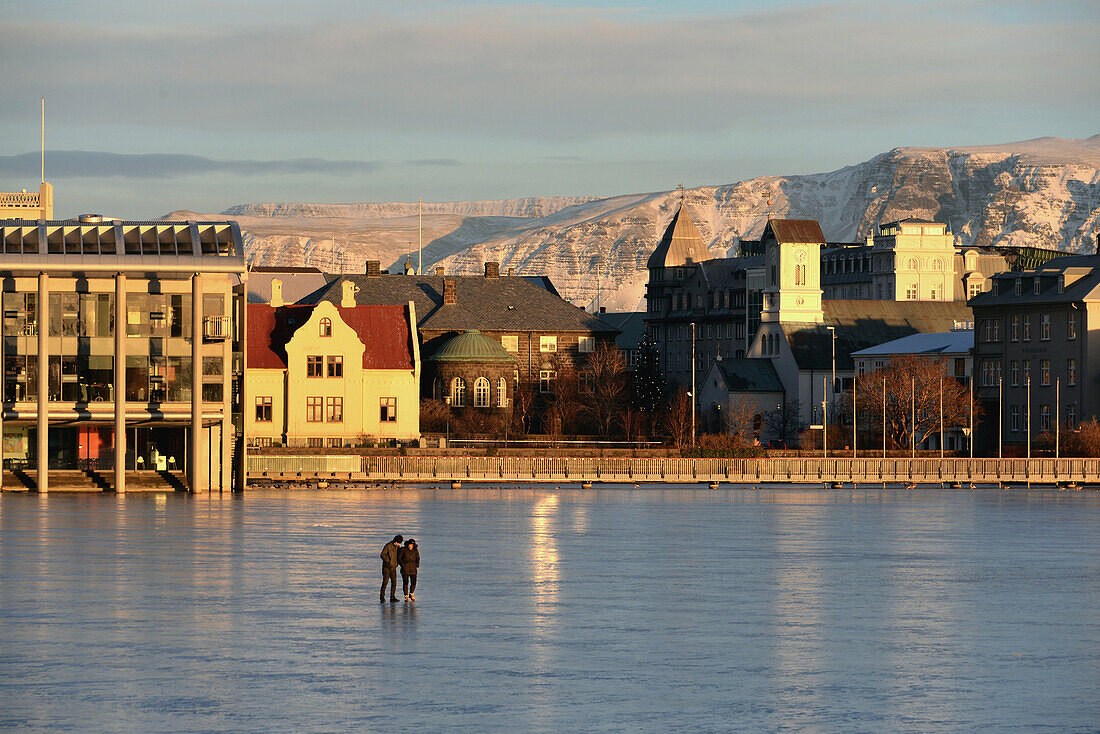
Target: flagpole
<point>884,416</point>
<point>941,416</point>
<point>854,421</point>
<point>913,426</point>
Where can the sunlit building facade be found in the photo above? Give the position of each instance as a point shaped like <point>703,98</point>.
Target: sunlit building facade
<point>122,350</point>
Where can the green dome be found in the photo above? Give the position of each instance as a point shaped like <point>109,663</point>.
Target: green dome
<point>471,346</point>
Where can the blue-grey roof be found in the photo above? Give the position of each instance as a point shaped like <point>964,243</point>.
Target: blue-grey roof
<point>942,342</point>
<point>631,326</point>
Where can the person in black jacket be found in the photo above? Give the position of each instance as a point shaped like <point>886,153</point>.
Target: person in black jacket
<point>390,561</point>
<point>410,562</point>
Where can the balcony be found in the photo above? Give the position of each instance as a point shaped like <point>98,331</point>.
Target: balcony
<point>216,327</point>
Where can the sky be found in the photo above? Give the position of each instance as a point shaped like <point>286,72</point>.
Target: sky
<point>200,104</point>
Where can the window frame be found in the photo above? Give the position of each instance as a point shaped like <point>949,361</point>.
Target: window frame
<point>315,365</point>
<point>315,409</point>
<point>324,328</point>
<point>548,343</point>
<point>332,362</point>
<point>586,344</point>
<point>482,392</point>
<point>387,409</point>
<point>264,409</point>
<point>334,409</point>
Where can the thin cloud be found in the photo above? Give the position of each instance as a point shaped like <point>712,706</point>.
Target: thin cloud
<point>444,162</point>
<point>93,164</point>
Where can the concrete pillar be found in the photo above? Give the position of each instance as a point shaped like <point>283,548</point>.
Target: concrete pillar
<point>226,434</point>
<point>242,440</point>
<point>120,382</point>
<point>196,460</point>
<point>43,318</point>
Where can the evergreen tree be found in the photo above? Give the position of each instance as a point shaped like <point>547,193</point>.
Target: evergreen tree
<point>649,385</point>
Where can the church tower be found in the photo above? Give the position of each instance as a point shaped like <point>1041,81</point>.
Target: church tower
<point>792,271</point>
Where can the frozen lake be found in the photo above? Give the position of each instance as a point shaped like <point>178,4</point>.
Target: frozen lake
<point>545,610</point>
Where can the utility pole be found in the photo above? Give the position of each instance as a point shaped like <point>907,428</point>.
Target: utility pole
<point>854,421</point>
<point>824,421</point>
<point>884,416</point>
<point>1057,413</point>
<point>693,384</point>
<point>913,425</point>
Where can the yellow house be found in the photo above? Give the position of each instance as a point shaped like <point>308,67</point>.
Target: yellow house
<point>332,376</point>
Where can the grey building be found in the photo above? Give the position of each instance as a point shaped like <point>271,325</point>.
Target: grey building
<point>1037,349</point>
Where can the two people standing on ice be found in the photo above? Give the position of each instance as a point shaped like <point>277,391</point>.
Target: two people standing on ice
<point>407,557</point>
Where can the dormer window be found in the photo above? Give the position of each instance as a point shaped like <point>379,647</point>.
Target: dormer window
<point>1061,283</point>
<point>1019,286</point>
<point>1035,286</point>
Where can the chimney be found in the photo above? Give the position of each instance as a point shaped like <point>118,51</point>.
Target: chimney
<point>276,293</point>
<point>603,309</point>
<point>347,295</point>
<point>439,271</point>
<point>408,267</point>
<point>450,298</point>
<point>511,272</point>
<point>374,268</point>
<point>492,270</point>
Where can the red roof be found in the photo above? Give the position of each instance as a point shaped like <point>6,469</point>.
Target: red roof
<point>384,330</point>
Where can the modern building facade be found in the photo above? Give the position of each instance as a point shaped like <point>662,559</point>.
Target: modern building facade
<point>123,349</point>
<point>1037,349</point>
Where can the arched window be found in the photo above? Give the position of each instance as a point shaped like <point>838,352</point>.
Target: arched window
<point>937,264</point>
<point>481,393</point>
<point>502,393</point>
<point>912,263</point>
<point>326,326</point>
<point>458,392</point>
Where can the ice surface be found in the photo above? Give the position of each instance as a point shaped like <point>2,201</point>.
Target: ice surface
<point>553,610</point>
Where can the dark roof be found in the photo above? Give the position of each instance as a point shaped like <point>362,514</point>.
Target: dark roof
<point>680,245</point>
<point>794,231</point>
<point>283,269</point>
<point>631,326</point>
<point>861,324</point>
<point>384,330</point>
<point>472,346</point>
<point>488,304</point>
<point>750,375</point>
<point>1082,279</point>
<point>542,281</point>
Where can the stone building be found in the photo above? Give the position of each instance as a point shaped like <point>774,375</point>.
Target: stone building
<point>472,370</point>
<point>122,350</point>
<point>1037,349</point>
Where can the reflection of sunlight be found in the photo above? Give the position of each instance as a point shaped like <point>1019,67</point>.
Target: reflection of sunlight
<point>799,624</point>
<point>544,561</point>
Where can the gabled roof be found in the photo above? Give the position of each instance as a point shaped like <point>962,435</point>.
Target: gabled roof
<point>750,375</point>
<point>680,245</point>
<point>861,324</point>
<point>794,231</point>
<point>489,304</point>
<point>384,331</point>
<point>631,326</point>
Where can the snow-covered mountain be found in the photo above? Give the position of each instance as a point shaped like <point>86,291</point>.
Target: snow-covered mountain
<point>1042,193</point>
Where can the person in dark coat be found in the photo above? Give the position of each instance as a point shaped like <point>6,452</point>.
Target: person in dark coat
<point>410,562</point>
<point>390,562</point>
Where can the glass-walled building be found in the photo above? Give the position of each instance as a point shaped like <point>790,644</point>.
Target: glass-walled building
<point>122,329</point>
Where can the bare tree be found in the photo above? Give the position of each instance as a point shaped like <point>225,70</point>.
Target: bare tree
<point>785,421</point>
<point>914,386</point>
<point>677,417</point>
<point>604,388</point>
<point>565,403</point>
<point>739,422</point>
<point>523,407</point>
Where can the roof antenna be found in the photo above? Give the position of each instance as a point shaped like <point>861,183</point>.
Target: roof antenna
<point>680,188</point>
<point>43,140</point>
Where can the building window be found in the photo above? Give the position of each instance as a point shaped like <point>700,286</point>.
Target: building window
<point>912,263</point>
<point>1044,371</point>
<point>458,392</point>
<point>326,327</point>
<point>481,393</point>
<point>911,292</point>
<point>1044,327</point>
<point>935,294</point>
<point>1027,328</point>
<point>1014,328</point>
<point>975,288</point>
<point>1071,415</point>
<point>510,343</point>
<point>800,275</point>
<point>334,410</point>
<point>1071,371</point>
<point>586,344</point>
<point>1035,286</point>
<point>263,409</point>
<point>1014,415</point>
<point>502,393</point>
<point>1019,286</point>
<point>1061,283</point>
<point>315,407</point>
<point>315,366</point>
<point>1027,371</point>
<point>739,328</point>
<point>1013,373</point>
<point>315,443</point>
<point>387,410</point>
<point>335,443</point>
<point>1071,326</point>
<point>260,441</point>
<point>336,365</point>
<point>548,344</point>
<point>1044,417</point>
<point>546,379</point>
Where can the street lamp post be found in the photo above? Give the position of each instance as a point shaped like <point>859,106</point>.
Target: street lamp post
<point>824,422</point>
<point>693,384</point>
